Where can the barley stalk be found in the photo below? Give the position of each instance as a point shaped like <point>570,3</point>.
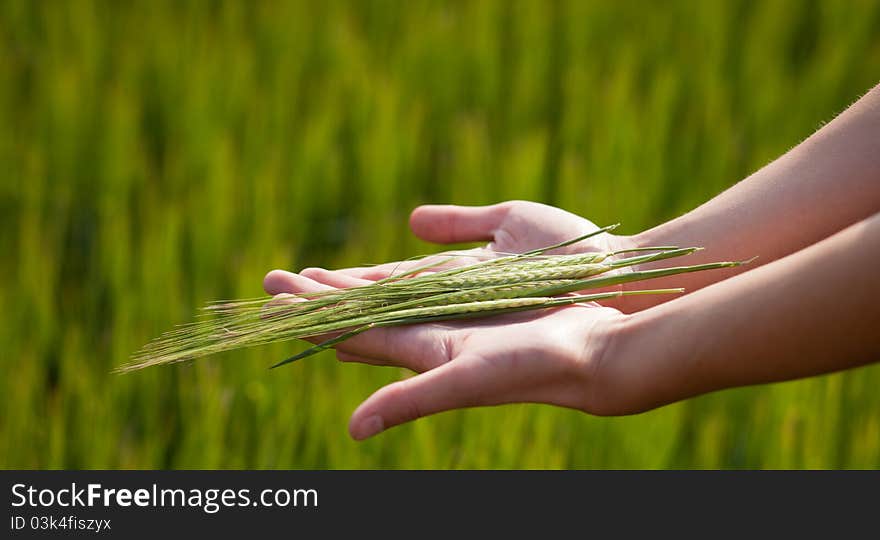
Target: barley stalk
<point>527,281</point>
<point>465,311</point>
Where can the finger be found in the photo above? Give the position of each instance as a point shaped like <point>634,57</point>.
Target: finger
<point>418,348</point>
<point>343,356</point>
<point>381,271</point>
<point>282,281</point>
<point>335,279</point>
<point>442,261</point>
<point>445,224</point>
<point>457,384</point>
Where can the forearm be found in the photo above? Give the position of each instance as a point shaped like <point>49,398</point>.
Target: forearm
<point>812,312</point>
<point>826,183</point>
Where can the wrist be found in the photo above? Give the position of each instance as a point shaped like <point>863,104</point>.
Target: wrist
<point>620,244</point>
<point>633,304</point>
<point>599,361</point>
<point>634,365</point>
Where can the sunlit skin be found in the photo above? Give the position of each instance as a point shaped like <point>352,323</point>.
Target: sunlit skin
<point>807,306</point>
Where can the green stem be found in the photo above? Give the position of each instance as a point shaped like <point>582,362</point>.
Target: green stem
<point>548,303</point>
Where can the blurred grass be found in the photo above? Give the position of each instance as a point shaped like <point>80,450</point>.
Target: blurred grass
<point>156,155</point>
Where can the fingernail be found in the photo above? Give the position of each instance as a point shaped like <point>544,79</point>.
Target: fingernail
<point>370,427</point>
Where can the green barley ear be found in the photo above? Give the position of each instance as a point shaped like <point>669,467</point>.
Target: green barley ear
<point>459,311</point>
<point>507,283</point>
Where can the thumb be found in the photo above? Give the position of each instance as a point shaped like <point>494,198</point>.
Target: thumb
<point>456,384</point>
<point>445,224</point>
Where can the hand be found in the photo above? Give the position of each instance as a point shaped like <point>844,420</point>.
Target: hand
<point>546,357</point>
<point>549,356</point>
<point>510,227</point>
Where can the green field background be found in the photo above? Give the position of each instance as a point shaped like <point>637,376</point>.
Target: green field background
<point>157,155</point>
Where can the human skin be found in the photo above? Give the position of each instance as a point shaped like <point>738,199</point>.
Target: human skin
<point>826,183</point>
<point>807,307</point>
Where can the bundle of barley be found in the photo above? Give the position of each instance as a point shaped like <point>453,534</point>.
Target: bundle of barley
<point>427,293</point>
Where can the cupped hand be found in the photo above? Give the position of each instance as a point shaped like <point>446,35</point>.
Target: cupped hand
<point>508,227</point>
<point>550,356</point>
